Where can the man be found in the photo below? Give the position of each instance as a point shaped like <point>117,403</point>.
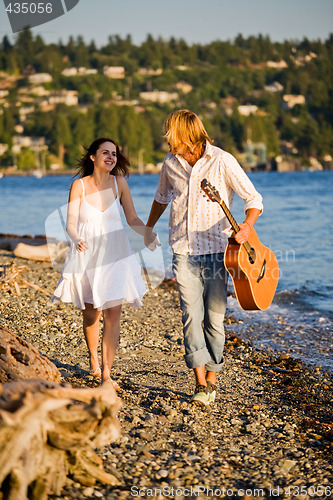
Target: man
<point>198,234</point>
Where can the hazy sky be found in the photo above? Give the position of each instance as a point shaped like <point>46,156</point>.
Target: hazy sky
<point>194,20</point>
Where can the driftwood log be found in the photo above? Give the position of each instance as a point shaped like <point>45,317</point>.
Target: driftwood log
<point>47,436</point>
<point>45,253</point>
<point>38,247</point>
<point>10,241</point>
<point>20,360</point>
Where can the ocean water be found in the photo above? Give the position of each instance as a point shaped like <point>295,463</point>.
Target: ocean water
<point>297,224</point>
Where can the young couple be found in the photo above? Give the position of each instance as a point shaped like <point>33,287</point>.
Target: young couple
<point>100,271</point>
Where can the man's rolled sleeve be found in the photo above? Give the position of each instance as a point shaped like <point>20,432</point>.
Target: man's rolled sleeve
<point>163,193</point>
<point>255,202</point>
<point>164,200</point>
<point>241,184</point>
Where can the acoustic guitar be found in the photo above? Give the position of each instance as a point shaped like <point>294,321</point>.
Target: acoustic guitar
<point>254,268</point>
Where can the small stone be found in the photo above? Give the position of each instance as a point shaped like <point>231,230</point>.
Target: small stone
<point>163,473</point>
<point>194,458</point>
<point>171,414</point>
<point>88,492</point>
<point>286,465</point>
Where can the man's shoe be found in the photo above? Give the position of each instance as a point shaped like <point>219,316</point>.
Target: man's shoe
<point>201,396</point>
<point>211,389</point>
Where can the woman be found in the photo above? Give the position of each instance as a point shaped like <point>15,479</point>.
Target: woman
<point>100,272</point>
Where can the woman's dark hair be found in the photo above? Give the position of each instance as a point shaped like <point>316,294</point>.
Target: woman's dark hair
<point>85,165</point>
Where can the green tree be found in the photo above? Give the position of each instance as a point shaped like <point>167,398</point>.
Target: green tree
<point>81,53</point>
<point>26,159</point>
<point>145,140</point>
<point>24,46</point>
<point>108,122</point>
<point>6,50</point>
<point>40,124</point>
<point>237,129</point>
<point>307,136</point>
<point>61,135</point>
<point>128,132</point>
<point>49,60</point>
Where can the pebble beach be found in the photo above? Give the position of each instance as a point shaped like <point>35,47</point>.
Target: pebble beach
<point>269,433</point>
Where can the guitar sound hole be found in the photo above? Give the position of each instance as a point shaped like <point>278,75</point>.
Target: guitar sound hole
<point>252,255</point>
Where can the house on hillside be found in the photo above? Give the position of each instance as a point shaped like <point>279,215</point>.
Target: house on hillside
<point>277,64</point>
<point>160,96</point>
<point>115,72</point>
<point>38,90</point>
<point>289,101</point>
<point>184,87</point>
<point>247,109</point>
<point>274,87</point>
<point>24,111</point>
<point>7,81</point>
<point>72,71</point>
<point>150,71</point>
<point>34,143</point>
<point>38,78</point>
<point>67,97</point>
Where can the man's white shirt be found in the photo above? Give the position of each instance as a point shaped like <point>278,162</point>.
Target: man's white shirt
<point>198,226</point>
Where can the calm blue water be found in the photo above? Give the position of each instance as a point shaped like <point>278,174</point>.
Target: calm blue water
<point>296,224</point>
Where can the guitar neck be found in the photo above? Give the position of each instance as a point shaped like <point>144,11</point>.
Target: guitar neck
<point>213,194</point>
<point>229,216</point>
<point>236,228</point>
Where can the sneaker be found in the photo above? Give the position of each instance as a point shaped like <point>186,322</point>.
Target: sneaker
<point>211,388</point>
<point>201,396</point>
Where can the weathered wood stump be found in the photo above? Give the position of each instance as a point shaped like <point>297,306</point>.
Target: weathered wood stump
<point>47,435</point>
<point>20,360</point>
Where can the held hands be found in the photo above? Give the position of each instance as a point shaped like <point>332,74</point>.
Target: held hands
<point>244,233</point>
<point>151,240</point>
<point>154,244</point>
<point>81,245</point>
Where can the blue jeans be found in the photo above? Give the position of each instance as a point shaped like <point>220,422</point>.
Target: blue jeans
<point>202,284</point>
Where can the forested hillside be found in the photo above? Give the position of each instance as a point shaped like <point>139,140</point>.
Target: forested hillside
<point>250,90</point>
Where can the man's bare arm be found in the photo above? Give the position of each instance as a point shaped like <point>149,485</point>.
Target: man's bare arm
<point>156,211</point>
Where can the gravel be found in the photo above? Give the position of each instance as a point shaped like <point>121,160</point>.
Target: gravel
<point>269,433</point>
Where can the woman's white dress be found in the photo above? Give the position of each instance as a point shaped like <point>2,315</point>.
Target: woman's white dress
<point>106,274</point>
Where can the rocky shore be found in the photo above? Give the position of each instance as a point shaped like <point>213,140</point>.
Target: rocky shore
<point>269,434</point>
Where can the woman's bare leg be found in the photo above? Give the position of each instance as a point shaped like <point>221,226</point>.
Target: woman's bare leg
<point>91,332</point>
<point>110,339</point>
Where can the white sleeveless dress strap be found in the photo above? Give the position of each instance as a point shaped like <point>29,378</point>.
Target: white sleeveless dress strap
<point>115,181</point>
<point>82,188</point>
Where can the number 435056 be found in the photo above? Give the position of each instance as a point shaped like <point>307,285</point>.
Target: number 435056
<point>312,491</point>
<point>29,8</point>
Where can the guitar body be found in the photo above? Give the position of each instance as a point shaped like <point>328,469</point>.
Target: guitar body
<point>254,269</point>
<point>255,279</point>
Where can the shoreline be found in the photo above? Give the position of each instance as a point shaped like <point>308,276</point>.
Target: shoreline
<point>271,426</point>
<point>66,172</point>
<point>133,171</point>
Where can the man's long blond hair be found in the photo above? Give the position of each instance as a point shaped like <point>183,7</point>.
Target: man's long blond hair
<point>185,131</point>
